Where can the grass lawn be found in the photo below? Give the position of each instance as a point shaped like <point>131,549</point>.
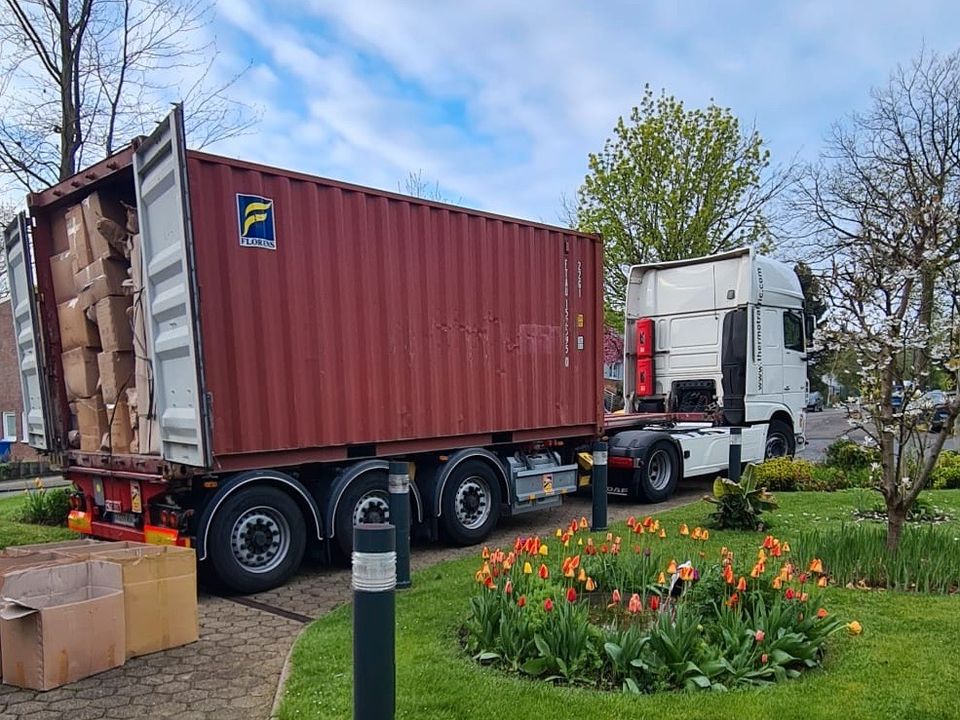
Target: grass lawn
<point>905,664</point>
<point>14,532</point>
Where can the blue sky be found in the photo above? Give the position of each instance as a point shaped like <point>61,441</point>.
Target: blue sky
<point>501,102</point>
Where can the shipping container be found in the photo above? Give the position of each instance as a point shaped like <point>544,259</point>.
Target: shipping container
<point>301,325</point>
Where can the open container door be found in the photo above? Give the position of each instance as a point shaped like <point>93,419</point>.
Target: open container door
<point>16,242</point>
<point>160,173</point>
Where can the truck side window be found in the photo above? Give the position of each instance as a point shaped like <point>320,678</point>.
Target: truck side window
<point>792,331</point>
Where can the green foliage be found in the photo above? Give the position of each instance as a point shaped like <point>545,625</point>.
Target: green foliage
<point>627,652</point>
<point>673,183</point>
<point>46,507</point>
<point>740,505</point>
<point>927,559</point>
<point>566,645</point>
<point>784,474</point>
<point>13,531</point>
<point>946,474</point>
<point>830,479</point>
<point>845,454</point>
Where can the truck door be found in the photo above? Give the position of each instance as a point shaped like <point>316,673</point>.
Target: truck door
<point>794,362</point>
<point>770,341</point>
<point>160,172</point>
<point>16,243</point>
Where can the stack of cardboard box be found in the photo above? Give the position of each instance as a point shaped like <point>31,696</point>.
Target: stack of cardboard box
<point>130,599</point>
<point>97,284</point>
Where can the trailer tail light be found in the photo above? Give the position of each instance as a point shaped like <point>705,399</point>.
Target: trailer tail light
<point>616,461</point>
<point>644,377</point>
<point>644,333</point>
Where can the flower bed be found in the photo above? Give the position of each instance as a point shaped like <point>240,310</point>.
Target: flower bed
<point>632,613</point>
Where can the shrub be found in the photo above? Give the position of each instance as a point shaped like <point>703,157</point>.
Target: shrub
<point>739,505</point>
<point>846,454</point>
<point>713,627</point>
<point>46,507</point>
<point>927,559</point>
<point>784,474</point>
<point>825,478</point>
<point>922,511</point>
<point>946,474</point>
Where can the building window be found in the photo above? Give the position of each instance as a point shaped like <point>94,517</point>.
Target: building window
<point>10,426</point>
<point>613,371</point>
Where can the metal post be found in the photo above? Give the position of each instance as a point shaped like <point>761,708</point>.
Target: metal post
<point>598,486</point>
<point>398,482</point>
<point>736,442</point>
<point>374,622</point>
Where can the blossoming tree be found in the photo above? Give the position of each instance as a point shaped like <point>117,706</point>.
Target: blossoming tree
<point>882,207</point>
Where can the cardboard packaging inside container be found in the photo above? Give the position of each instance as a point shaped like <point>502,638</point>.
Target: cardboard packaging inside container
<point>116,375</point>
<point>75,329</point>
<point>106,221</point>
<point>101,278</point>
<point>148,436</point>
<point>120,431</point>
<point>77,240</point>
<point>61,268</point>
<point>116,335</point>
<point>159,596</point>
<point>80,372</point>
<point>62,623</point>
<point>93,422</point>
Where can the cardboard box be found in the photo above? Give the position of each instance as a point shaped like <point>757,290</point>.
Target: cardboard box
<point>116,375</point>
<point>93,422</point>
<point>76,330</point>
<point>61,268</point>
<point>101,278</point>
<point>120,431</point>
<point>116,335</point>
<point>159,596</point>
<point>81,372</point>
<point>136,263</point>
<point>148,436</point>
<point>77,239</point>
<point>62,623</point>
<point>106,221</point>
<point>22,558</point>
<point>61,548</point>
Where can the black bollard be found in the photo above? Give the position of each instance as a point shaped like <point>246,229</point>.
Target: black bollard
<point>598,486</point>
<point>374,622</point>
<point>398,482</point>
<point>736,443</point>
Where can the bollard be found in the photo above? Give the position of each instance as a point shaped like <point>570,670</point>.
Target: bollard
<point>374,622</point>
<point>736,441</point>
<point>398,482</point>
<point>598,486</point>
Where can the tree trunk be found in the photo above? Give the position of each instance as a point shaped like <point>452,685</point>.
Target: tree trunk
<point>921,364</point>
<point>896,517</point>
<point>68,110</point>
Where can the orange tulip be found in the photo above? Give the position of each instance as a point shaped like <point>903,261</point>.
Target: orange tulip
<point>522,601</point>
<point>488,582</point>
<point>635,605</point>
<point>728,574</point>
<point>761,556</point>
<point>672,567</point>
<point>486,553</point>
<point>582,577</point>
<point>768,542</point>
<point>804,597</point>
<point>776,551</point>
<point>543,572</point>
<point>684,530</point>
<point>757,570</point>
<point>854,627</point>
<point>614,598</point>
<point>631,521</point>
<point>695,535</point>
<point>816,565</point>
<point>786,547</point>
<point>638,529</point>
<point>609,537</point>
<point>663,533</point>
<point>742,584</point>
<point>734,599</point>
<point>478,576</point>
<point>705,535</point>
<point>822,613</point>
<point>661,579</point>
<point>822,582</point>
<point>591,585</point>
<point>777,583</point>
<point>583,523</point>
<point>647,521</point>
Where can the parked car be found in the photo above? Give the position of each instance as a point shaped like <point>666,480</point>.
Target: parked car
<point>934,404</point>
<point>815,401</point>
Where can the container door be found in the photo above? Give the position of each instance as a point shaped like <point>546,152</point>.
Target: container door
<point>16,242</point>
<point>169,280</point>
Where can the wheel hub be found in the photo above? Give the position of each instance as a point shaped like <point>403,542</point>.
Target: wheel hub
<point>472,503</point>
<point>371,508</point>
<point>260,539</point>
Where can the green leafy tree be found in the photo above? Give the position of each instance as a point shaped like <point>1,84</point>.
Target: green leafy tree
<point>674,183</point>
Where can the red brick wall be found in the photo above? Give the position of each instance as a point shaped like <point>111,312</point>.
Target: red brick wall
<point>10,396</point>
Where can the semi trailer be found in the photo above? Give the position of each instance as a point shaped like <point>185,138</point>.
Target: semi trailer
<point>287,336</point>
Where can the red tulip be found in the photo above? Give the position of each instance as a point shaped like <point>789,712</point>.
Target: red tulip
<point>635,605</point>
<point>789,594</point>
<point>571,595</point>
<point>614,599</point>
<point>822,613</point>
<point>543,572</point>
<point>548,605</point>
<point>522,601</point>
<point>488,582</point>
<point>508,588</point>
<point>654,603</point>
<point>742,584</point>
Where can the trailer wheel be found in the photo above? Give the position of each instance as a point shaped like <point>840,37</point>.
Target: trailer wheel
<point>366,500</point>
<point>780,440</point>
<point>660,472</point>
<point>257,539</point>
<point>470,505</point>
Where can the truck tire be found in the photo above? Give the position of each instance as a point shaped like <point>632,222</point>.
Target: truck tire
<point>257,539</point>
<point>660,472</point>
<point>366,500</point>
<point>780,440</point>
<point>470,504</point>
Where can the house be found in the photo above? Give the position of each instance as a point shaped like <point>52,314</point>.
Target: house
<point>11,401</point>
<point>612,369</point>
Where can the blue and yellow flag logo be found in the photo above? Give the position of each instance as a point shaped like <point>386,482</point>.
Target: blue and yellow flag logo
<point>255,218</point>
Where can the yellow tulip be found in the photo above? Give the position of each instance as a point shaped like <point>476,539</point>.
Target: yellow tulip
<point>661,579</point>
<point>854,627</point>
<point>582,577</point>
<point>543,550</point>
<point>527,568</point>
<point>663,533</point>
<point>559,533</point>
<point>684,530</point>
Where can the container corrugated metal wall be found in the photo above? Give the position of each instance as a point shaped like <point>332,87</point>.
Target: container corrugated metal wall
<point>380,319</point>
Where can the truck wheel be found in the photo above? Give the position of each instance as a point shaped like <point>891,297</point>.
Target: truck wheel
<point>366,500</point>
<point>257,539</point>
<point>660,472</point>
<point>780,440</point>
<point>470,506</point>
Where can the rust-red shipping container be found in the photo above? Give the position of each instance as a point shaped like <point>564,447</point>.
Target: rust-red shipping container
<point>346,321</point>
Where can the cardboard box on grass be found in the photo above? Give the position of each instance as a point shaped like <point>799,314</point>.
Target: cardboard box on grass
<point>62,623</point>
<point>159,596</point>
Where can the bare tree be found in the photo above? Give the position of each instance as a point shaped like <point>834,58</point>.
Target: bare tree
<point>78,77</point>
<point>883,211</point>
<point>415,185</point>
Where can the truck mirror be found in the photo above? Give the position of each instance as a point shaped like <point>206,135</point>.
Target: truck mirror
<point>810,327</point>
